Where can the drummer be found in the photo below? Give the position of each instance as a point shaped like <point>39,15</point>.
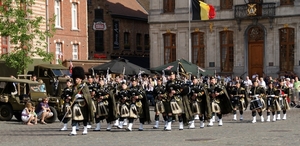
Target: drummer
<point>256,94</point>
<point>271,106</point>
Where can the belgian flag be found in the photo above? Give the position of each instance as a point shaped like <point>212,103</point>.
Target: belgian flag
<point>202,11</point>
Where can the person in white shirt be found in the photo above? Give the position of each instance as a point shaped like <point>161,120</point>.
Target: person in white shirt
<point>262,83</point>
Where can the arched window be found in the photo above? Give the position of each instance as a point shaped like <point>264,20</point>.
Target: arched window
<point>169,47</point>
<point>198,51</point>
<point>287,47</point>
<point>226,46</point>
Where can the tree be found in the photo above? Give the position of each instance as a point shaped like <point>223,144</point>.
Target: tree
<point>27,38</point>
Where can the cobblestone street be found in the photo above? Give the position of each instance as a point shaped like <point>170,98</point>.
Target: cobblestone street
<point>13,133</point>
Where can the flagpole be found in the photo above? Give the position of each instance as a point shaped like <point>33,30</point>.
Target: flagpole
<point>190,50</point>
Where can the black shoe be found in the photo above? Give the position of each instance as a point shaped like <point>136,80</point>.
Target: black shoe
<point>155,127</point>
<point>128,129</point>
<point>108,129</point>
<point>71,134</point>
<point>96,130</point>
<point>84,133</point>
<point>141,129</point>
<point>77,129</point>
<point>209,125</point>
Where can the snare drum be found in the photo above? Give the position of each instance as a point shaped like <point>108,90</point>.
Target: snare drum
<point>255,104</point>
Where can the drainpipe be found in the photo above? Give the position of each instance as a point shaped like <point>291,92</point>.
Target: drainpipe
<point>47,26</point>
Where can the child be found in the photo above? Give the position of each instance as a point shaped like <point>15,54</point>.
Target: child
<point>27,117</point>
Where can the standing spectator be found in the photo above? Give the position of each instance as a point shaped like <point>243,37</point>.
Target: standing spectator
<point>43,110</point>
<point>297,88</point>
<point>262,83</point>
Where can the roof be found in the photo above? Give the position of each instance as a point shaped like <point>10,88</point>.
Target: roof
<point>128,8</point>
<point>9,79</point>
<point>52,66</point>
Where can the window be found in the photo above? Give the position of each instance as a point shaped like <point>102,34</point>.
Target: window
<point>287,48</point>
<point>169,47</point>
<point>99,41</point>
<point>58,53</point>
<point>57,13</point>
<point>126,41</point>
<point>74,16</point>
<point>286,2</point>
<point>169,6</point>
<point>138,42</point>
<point>98,14</point>
<point>198,52</point>
<point>75,51</point>
<point>4,44</point>
<point>226,46</point>
<point>147,42</point>
<point>226,4</point>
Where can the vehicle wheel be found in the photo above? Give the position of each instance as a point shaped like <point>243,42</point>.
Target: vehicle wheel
<point>18,116</point>
<point>53,118</point>
<point>6,112</point>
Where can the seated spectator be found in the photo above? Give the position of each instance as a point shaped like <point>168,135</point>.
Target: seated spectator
<point>43,111</point>
<point>28,114</point>
<point>42,87</point>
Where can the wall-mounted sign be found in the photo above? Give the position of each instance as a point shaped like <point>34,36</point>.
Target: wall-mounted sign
<point>99,26</point>
<point>116,35</point>
<point>251,10</point>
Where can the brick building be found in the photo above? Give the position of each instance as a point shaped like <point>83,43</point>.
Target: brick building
<point>119,28</point>
<point>70,41</point>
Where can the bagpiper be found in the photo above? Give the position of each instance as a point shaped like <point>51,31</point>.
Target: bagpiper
<point>200,102</point>
<point>219,99</point>
<point>82,105</point>
<point>239,99</point>
<point>272,94</point>
<point>105,105</point>
<point>159,94</point>
<point>138,107</point>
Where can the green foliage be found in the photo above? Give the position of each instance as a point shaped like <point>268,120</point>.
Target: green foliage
<point>25,34</point>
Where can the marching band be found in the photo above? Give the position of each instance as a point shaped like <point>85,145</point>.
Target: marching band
<point>181,98</point>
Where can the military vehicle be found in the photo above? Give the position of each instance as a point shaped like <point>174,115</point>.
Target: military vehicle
<point>14,93</point>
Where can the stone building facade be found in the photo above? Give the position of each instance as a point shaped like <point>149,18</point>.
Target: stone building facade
<point>241,40</point>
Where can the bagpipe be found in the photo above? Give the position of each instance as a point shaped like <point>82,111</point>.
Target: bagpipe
<point>123,96</point>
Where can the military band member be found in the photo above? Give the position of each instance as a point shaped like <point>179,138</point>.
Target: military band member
<point>82,108</point>
<point>105,105</point>
<point>139,107</point>
<point>284,93</point>
<point>239,100</point>
<point>66,96</point>
<point>200,102</point>
<point>220,100</point>
<point>256,94</point>
<point>92,85</point>
<point>271,93</point>
<point>160,96</point>
<point>123,102</point>
<point>173,104</point>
